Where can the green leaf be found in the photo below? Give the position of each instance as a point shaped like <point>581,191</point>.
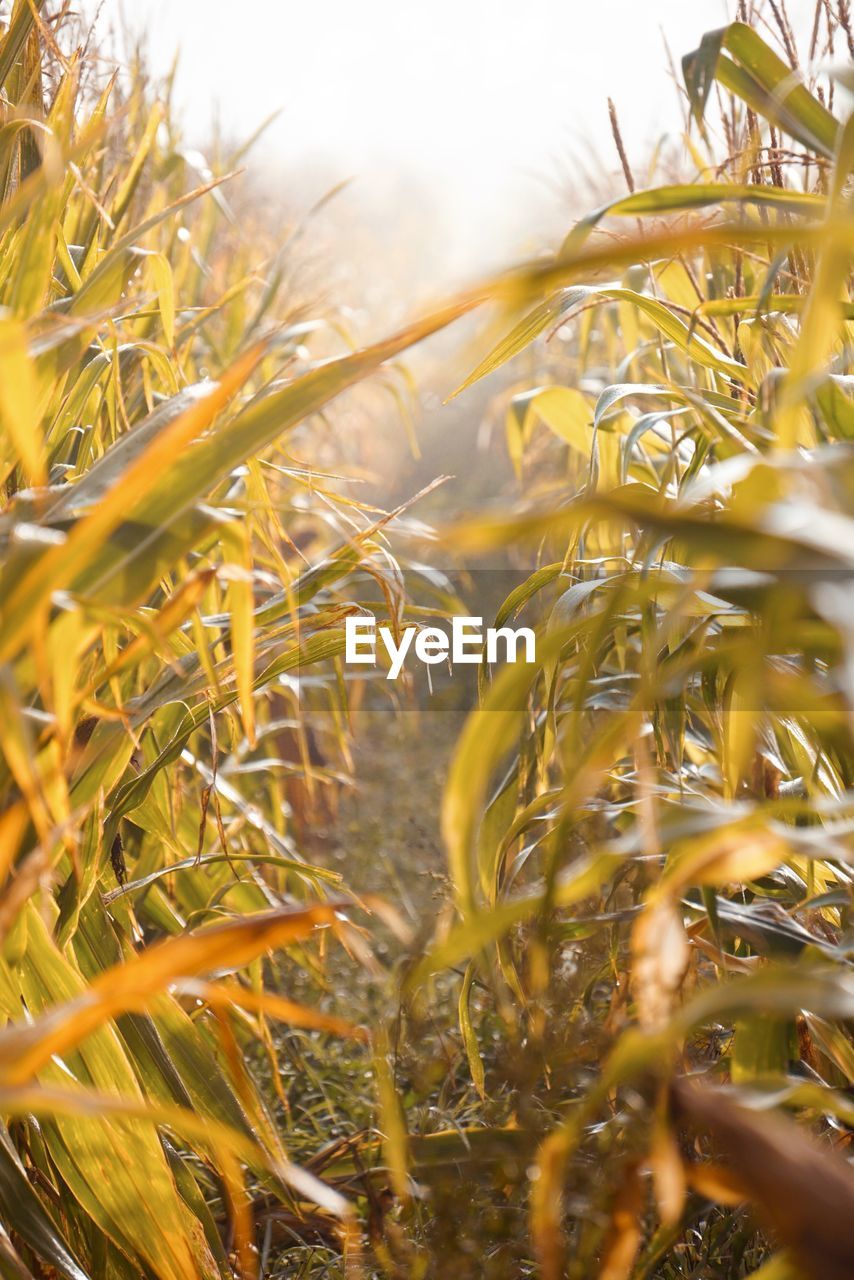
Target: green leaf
<point>20,26</point>
<point>757,75</point>
<point>21,1208</point>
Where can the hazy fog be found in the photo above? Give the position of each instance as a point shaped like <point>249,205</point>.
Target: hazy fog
<point>468,120</point>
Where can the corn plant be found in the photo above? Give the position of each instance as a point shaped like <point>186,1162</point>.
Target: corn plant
<point>172,589</point>
<point>666,793</point>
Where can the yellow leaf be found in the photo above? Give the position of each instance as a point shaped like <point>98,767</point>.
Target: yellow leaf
<point>132,985</point>
<point>162,272</point>
<point>241,601</point>
<point>660,959</point>
<point>59,566</point>
<point>566,412</point>
<point>732,855</point>
<point>469,1037</point>
<point>19,414</point>
<point>668,1173</point>
<point>392,1123</point>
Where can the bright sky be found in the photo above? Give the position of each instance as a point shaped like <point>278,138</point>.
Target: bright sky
<point>482,103</point>
<point>472,90</point>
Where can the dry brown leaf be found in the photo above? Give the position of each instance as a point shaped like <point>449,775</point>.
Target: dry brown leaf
<point>803,1191</point>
